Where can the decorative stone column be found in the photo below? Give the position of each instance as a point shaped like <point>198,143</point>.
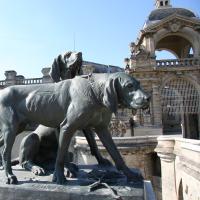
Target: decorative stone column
<point>157,111</point>
<point>165,150</point>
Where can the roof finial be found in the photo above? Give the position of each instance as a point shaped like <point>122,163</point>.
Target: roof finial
<point>162,3</point>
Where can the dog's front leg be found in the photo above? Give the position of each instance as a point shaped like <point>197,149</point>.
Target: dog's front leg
<point>63,144</point>
<point>105,137</point>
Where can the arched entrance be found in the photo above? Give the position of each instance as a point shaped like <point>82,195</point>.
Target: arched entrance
<point>180,108</point>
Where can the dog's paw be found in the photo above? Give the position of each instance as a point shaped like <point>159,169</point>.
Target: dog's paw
<point>12,180</point>
<point>133,175</point>
<point>71,170</point>
<point>59,179</point>
<point>39,171</point>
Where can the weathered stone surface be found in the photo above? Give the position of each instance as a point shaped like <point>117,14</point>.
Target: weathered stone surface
<point>180,163</point>
<point>40,187</point>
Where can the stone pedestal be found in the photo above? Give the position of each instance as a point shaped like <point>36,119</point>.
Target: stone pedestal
<point>41,188</point>
<point>10,77</point>
<point>46,77</point>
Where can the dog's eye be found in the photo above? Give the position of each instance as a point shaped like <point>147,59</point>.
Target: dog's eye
<point>130,86</point>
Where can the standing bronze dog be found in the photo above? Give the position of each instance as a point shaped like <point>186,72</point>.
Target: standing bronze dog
<point>38,149</point>
<point>71,105</point>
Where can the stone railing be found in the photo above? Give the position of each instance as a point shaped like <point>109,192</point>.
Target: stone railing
<point>187,62</point>
<point>2,83</point>
<point>13,79</point>
<point>29,81</point>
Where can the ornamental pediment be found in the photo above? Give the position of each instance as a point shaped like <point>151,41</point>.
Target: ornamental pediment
<point>173,23</point>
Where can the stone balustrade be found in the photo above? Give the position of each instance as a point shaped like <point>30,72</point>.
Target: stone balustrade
<point>29,81</point>
<point>187,62</point>
<point>13,79</point>
<point>2,83</point>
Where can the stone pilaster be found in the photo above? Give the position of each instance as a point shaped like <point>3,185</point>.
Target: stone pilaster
<point>137,118</point>
<point>157,111</point>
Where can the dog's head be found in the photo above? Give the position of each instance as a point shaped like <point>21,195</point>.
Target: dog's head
<point>66,66</point>
<point>125,90</point>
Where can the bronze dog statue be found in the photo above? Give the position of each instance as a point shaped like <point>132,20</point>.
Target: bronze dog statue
<point>38,149</point>
<point>70,105</point>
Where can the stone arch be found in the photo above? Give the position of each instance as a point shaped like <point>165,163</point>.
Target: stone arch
<point>180,106</point>
<point>186,32</point>
<point>171,51</point>
<point>176,43</point>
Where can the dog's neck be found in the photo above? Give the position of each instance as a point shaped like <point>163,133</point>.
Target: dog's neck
<point>97,82</point>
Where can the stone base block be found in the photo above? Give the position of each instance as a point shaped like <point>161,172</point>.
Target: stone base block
<point>33,187</point>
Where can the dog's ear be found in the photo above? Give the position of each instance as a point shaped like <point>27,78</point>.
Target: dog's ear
<point>55,71</point>
<point>58,69</point>
<point>110,95</point>
<point>67,55</point>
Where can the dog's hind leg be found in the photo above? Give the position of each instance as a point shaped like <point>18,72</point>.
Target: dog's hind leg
<point>9,130</point>
<point>89,134</point>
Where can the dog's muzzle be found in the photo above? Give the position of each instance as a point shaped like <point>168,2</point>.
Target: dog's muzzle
<point>142,99</point>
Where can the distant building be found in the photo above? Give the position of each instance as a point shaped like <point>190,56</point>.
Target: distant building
<point>174,84</point>
<point>175,105</point>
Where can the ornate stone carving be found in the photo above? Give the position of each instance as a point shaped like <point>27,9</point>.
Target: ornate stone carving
<point>175,26</point>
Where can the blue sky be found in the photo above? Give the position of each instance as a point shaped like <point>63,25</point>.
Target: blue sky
<point>34,32</point>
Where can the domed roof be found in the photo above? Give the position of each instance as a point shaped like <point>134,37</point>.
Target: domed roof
<point>162,13</point>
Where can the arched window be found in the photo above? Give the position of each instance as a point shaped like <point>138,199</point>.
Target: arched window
<point>166,3</point>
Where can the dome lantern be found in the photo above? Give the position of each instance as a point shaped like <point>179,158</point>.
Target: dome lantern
<point>162,3</point>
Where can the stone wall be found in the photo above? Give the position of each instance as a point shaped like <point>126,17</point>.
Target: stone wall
<point>137,152</point>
